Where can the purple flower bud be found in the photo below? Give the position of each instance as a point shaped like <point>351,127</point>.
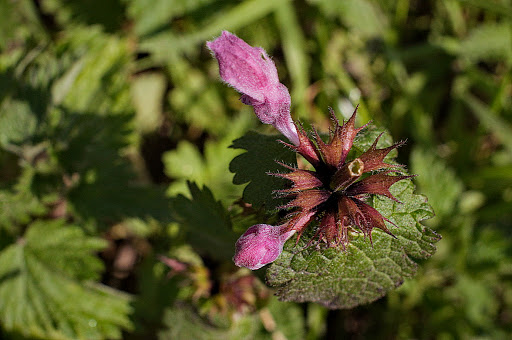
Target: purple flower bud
<point>260,245</point>
<point>250,71</point>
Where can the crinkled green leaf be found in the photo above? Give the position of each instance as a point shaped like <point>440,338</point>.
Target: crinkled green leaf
<point>50,75</point>
<point>75,103</point>
<point>42,289</point>
<point>206,221</point>
<point>255,165</point>
<point>25,93</point>
<point>367,137</point>
<point>18,205</point>
<point>362,273</point>
<point>18,208</point>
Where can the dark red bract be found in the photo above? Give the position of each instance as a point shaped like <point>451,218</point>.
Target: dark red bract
<point>334,194</point>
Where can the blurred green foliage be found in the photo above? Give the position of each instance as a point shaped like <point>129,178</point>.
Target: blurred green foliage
<point>107,109</point>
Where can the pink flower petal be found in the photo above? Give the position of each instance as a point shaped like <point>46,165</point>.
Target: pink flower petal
<point>259,245</point>
<point>250,71</point>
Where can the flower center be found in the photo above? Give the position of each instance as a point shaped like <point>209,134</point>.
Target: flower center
<point>347,174</point>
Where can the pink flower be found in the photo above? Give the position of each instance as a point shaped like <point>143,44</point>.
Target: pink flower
<point>250,71</point>
<point>260,245</point>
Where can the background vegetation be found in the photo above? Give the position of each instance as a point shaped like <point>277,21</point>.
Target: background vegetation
<point>108,108</point>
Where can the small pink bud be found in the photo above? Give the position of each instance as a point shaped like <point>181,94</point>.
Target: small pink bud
<point>250,71</point>
<point>260,245</point>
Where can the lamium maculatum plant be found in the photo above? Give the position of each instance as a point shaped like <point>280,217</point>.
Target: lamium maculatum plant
<point>334,200</point>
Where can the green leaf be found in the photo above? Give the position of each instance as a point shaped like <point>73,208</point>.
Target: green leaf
<point>362,16</point>
<point>495,7</point>
<point>17,122</point>
<point>152,16</point>
<point>25,96</point>
<point>255,165</point>
<point>194,95</point>
<point>186,163</point>
<point>88,150</point>
<point>156,293</point>
<point>206,221</point>
<point>367,137</point>
<point>42,289</point>
<point>18,204</point>
<point>289,319</point>
<point>491,120</point>
<point>99,82</point>
<point>183,164</point>
<point>282,321</point>
<point>362,273</point>
<point>18,21</point>
<point>148,91</point>
<point>183,323</point>
<point>437,181</point>
<point>18,207</point>
<point>488,41</point>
